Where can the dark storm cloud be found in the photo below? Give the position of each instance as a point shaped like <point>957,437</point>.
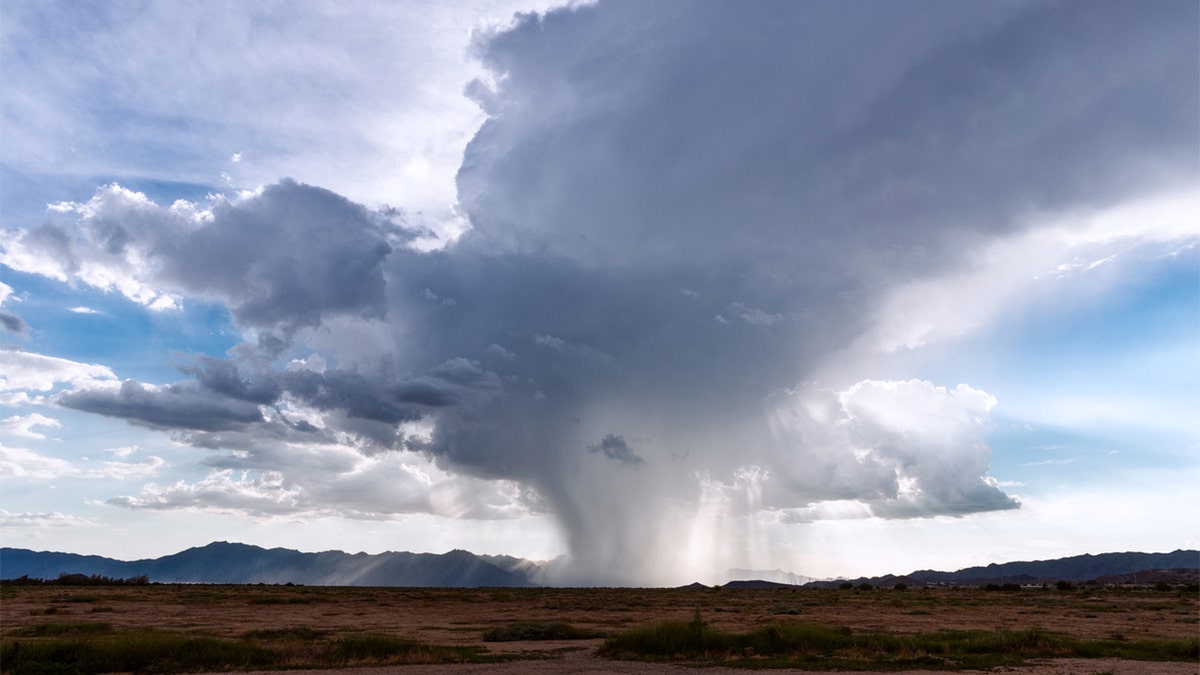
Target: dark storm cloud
<point>223,377</point>
<point>629,131</point>
<point>286,258</point>
<point>282,259</point>
<point>226,395</point>
<point>783,163</point>
<point>615,447</point>
<point>13,323</point>
<point>390,400</point>
<point>184,405</point>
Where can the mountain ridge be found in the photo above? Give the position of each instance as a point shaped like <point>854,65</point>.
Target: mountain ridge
<point>236,563</point>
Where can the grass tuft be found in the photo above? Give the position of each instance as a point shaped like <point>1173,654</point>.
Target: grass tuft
<point>64,629</point>
<point>131,651</point>
<point>819,646</point>
<point>539,630</point>
<point>56,652</point>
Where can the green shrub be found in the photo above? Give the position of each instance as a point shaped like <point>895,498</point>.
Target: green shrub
<point>370,647</point>
<point>56,652</point>
<point>141,651</point>
<point>828,646</point>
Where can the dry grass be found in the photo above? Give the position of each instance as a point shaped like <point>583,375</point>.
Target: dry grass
<point>273,617</point>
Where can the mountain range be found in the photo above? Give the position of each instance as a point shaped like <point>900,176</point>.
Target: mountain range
<point>1075,569</point>
<point>229,563</point>
<point>226,563</point>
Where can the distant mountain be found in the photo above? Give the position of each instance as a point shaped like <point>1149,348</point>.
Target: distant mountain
<point>777,576</point>
<point>1075,568</point>
<point>741,584</point>
<point>225,563</point>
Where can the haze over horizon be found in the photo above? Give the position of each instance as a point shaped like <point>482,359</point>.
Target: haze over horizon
<point>669,288</point>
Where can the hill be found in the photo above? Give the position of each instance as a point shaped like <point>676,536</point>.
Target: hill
<point>226,563</point>
<point>1078,568</point>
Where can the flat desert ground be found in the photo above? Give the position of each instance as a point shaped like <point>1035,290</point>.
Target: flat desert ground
<point>460,617</point>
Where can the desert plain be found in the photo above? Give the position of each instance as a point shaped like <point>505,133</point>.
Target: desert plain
<point>461,618</point>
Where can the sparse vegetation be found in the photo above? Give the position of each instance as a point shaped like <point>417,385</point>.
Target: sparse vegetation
<point>818,646</point>
<point>191,628</point>
<point>539,630</point>
<point>105,651</point>
<point>78,580</point>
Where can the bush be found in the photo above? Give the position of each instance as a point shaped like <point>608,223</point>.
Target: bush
<point>814,645</point>
<point>539,630</point>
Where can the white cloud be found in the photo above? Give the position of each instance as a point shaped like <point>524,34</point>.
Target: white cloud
<point>127,470</point>
<point>755,316</point>
<point>1055,254</point>
<point>896,449</point>
<point>18,425</point>
<point>25,464</point>
<point>216,69</point>
<point>28,465</point>
<point>262,495</point>
<point>20,370</point>
<point>109,250</point>
<point>38,521</point>
<point>83,310</point>
<point>334,482</point>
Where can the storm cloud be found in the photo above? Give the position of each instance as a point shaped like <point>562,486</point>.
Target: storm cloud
<point>685,219</point>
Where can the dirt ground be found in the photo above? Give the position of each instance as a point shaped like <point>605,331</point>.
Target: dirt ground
<point>461,616</point>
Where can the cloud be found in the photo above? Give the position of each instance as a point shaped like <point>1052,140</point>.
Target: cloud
<point>184,405</point>
<point>144,468</point>
<point>1052,255</point>
<point>219,491</point>
<point>377,488</point>
<point>8,321</point>
<point>36,372</point>
<point>879,152</point>
<point>218,73</point>
<point>28,465</point>
<point>13,323</point>
<point>816,201</point>
<point>22,463</point>
<point>18,425</point>
<point>38,521</point>
<point>615,447</point>
<point>271,256</point>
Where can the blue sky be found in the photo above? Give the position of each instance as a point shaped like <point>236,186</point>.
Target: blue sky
<point>665,288</point>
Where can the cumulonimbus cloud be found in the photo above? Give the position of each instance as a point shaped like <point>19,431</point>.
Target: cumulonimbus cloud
<point>789,183</point>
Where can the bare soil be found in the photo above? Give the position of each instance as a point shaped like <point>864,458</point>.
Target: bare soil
<point>460,616</point>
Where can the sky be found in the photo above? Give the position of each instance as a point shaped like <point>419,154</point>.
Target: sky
<point>658,290</point>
